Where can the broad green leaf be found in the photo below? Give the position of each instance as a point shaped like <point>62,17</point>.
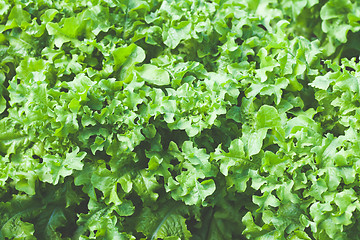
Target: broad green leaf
<point>267,117</point>
<point>17,18</point>
<point>153,75</point>
<point>129,55</point>
<point>174,35</point>
<point>167,222</point>
<point>145,185</point>
<point>255,141</point>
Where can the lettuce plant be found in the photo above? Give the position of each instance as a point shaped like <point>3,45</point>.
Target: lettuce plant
<point>179,119</point>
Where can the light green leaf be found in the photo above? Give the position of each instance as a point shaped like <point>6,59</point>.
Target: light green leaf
<point>235,156</point>
<point>174,35</point>
<point>266,200</point>
<point>153,75</point>
<point>2,104</point>
<point>128,56</point>
<point>55,166</point>
<point>322,82</point>
<point>267,117</point>
<point>255,141</point>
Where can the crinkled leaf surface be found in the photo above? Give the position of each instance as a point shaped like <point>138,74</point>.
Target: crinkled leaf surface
<point>179,119</point>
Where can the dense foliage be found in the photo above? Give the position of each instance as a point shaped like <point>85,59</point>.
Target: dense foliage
<point>179,119</point>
